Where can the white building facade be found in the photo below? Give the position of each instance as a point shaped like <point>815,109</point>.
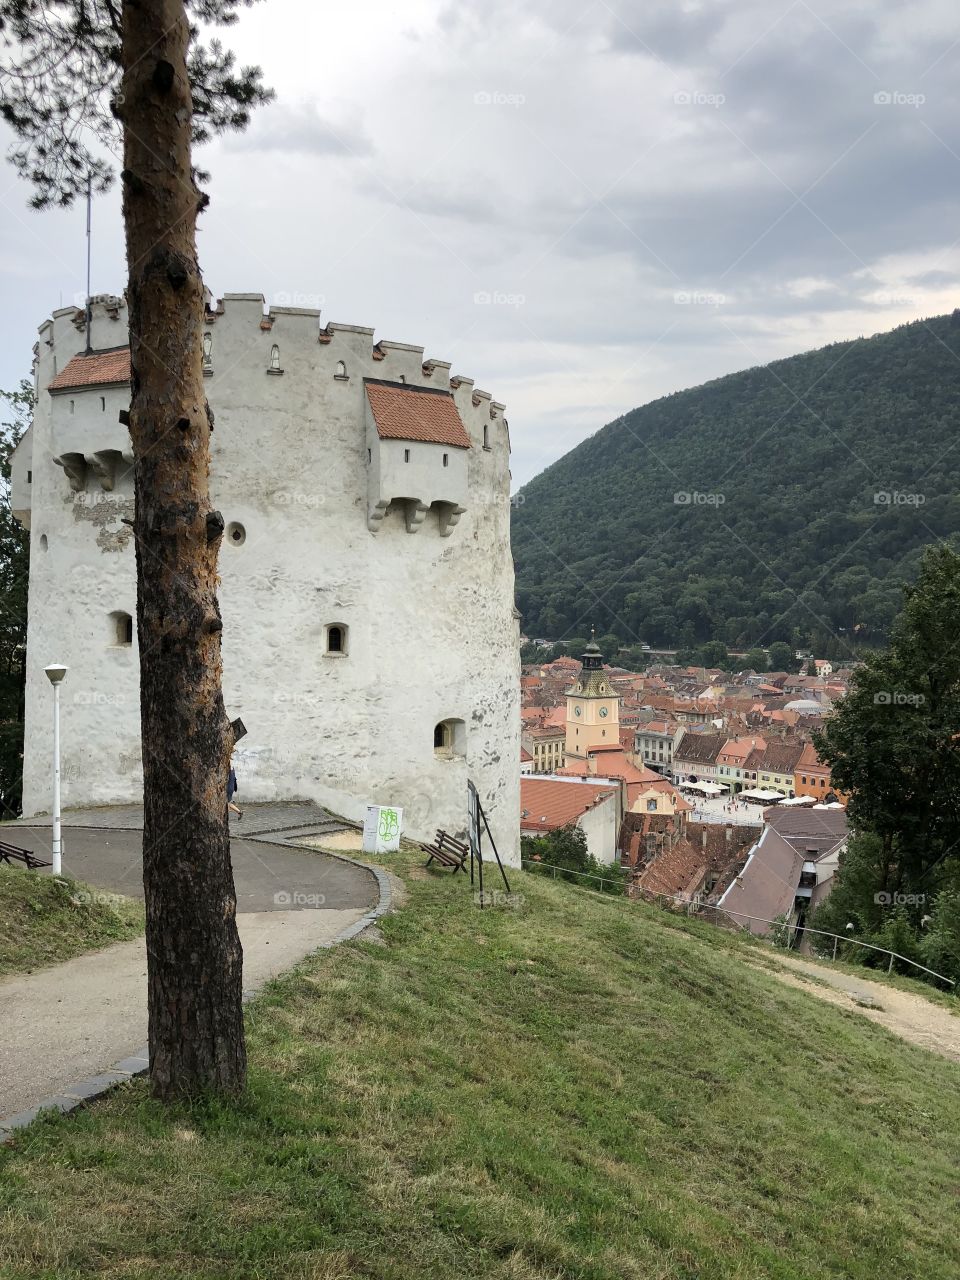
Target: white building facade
<point>370,639</point>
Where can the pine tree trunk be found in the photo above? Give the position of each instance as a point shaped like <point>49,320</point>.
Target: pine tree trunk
<point>194,959</point>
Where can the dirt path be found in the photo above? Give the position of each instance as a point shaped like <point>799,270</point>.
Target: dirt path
<point>909,1016</point>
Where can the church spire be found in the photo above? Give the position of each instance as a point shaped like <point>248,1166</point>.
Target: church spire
<point>592,658</point>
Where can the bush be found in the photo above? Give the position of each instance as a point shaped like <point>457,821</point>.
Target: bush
<point>566,849</point>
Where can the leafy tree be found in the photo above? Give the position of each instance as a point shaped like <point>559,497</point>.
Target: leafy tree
<point>940,940</point>
<point>892,746</point>
<point>812,667</point>
<point>14,571</point>
<point>79,78</point>
<point>862,875</point>
<point>781,657</point>
<point>714,654</point>
<point>892,741</point>
<point>609,646</point>
<point>756,660</point>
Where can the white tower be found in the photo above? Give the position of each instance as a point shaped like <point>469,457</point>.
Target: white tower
<point>370,639</point>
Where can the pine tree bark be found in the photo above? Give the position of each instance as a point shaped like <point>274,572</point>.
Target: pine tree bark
<point>194,958</point>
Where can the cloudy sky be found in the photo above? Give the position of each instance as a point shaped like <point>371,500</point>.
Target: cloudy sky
<point>583,206</point>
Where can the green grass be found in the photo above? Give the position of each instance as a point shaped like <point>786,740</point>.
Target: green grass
<point>44,921</point>
<point>575,1087</point>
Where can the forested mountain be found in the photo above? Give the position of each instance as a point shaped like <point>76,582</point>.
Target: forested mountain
<point>788,502</point>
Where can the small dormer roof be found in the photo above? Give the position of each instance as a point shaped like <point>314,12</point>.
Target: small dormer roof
<point>98,369</point>
<point>416,413</point>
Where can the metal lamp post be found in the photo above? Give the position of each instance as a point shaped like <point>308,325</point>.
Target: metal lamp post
<point>55,673</point>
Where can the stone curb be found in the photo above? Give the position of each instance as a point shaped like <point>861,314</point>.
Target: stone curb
<point>137,1063</point>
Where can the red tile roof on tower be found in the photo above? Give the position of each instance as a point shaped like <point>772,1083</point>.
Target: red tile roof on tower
<point>99,369</point>
<point>412,413</point>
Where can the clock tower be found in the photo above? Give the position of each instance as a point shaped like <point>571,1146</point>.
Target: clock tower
<point>593,709</point>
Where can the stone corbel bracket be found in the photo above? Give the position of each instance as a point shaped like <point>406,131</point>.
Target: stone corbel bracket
<point>104,464</point>
<point>449,517</point>
<point>376,513</point>
<point>75,469</point>
<point>415,514</point>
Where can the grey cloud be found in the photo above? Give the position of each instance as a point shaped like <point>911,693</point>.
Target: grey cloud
<point>598,198</point>
<point>300,130</point>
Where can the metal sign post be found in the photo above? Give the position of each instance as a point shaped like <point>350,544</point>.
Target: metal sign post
<point>478,824</point>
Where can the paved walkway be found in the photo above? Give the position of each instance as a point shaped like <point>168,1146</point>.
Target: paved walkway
<point>76,1019</point>
<point>740,815</point>
<point>268,876</point>
<point>932,1026</point>
<point>80,1018</point>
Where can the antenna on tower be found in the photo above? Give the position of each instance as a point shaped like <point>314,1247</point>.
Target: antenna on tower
<point>89,299</point>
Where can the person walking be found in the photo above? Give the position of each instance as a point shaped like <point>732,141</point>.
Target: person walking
<point>231,792</point>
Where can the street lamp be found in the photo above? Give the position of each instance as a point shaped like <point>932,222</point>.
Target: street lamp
<point>55,673</point>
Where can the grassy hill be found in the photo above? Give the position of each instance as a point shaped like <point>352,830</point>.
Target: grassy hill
<point>807,489</point>
<point>43,921</point>
<point>572,1087</point>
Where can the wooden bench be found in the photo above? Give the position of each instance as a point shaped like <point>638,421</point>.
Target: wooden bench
<point>447,851</point>
<point>10,854</point>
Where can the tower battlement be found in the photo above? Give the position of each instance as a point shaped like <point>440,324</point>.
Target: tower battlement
<point>278,339</point>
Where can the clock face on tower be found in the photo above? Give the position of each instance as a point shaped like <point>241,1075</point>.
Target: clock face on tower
<point>603,711</point>
<point>576,711</point>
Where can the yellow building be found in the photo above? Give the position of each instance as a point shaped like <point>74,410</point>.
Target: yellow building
<point>546,746</point>
<point>593,709</point>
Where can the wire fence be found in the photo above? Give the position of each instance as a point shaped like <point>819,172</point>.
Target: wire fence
<point>786,935</point>
<point>567,873</point>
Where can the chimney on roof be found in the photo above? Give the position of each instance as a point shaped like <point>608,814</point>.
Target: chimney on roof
<point>729,832</point>
<point>703,838</point>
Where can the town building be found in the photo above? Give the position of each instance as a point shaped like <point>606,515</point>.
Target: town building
<point>695,757</point>
<point>731,762</point>
<point>790,869</point>
<point>370,638</point>
<point>653,744</point>
<point>810,776</point>
<point>772,768</point>
<point>546,745</point>
<point>547,804</point>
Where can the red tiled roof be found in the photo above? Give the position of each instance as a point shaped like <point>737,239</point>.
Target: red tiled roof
<point>99,369</point>
<point>550,804</point>
<point>811,761</point>
<point>409,413</point>
<point>677,871</point>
